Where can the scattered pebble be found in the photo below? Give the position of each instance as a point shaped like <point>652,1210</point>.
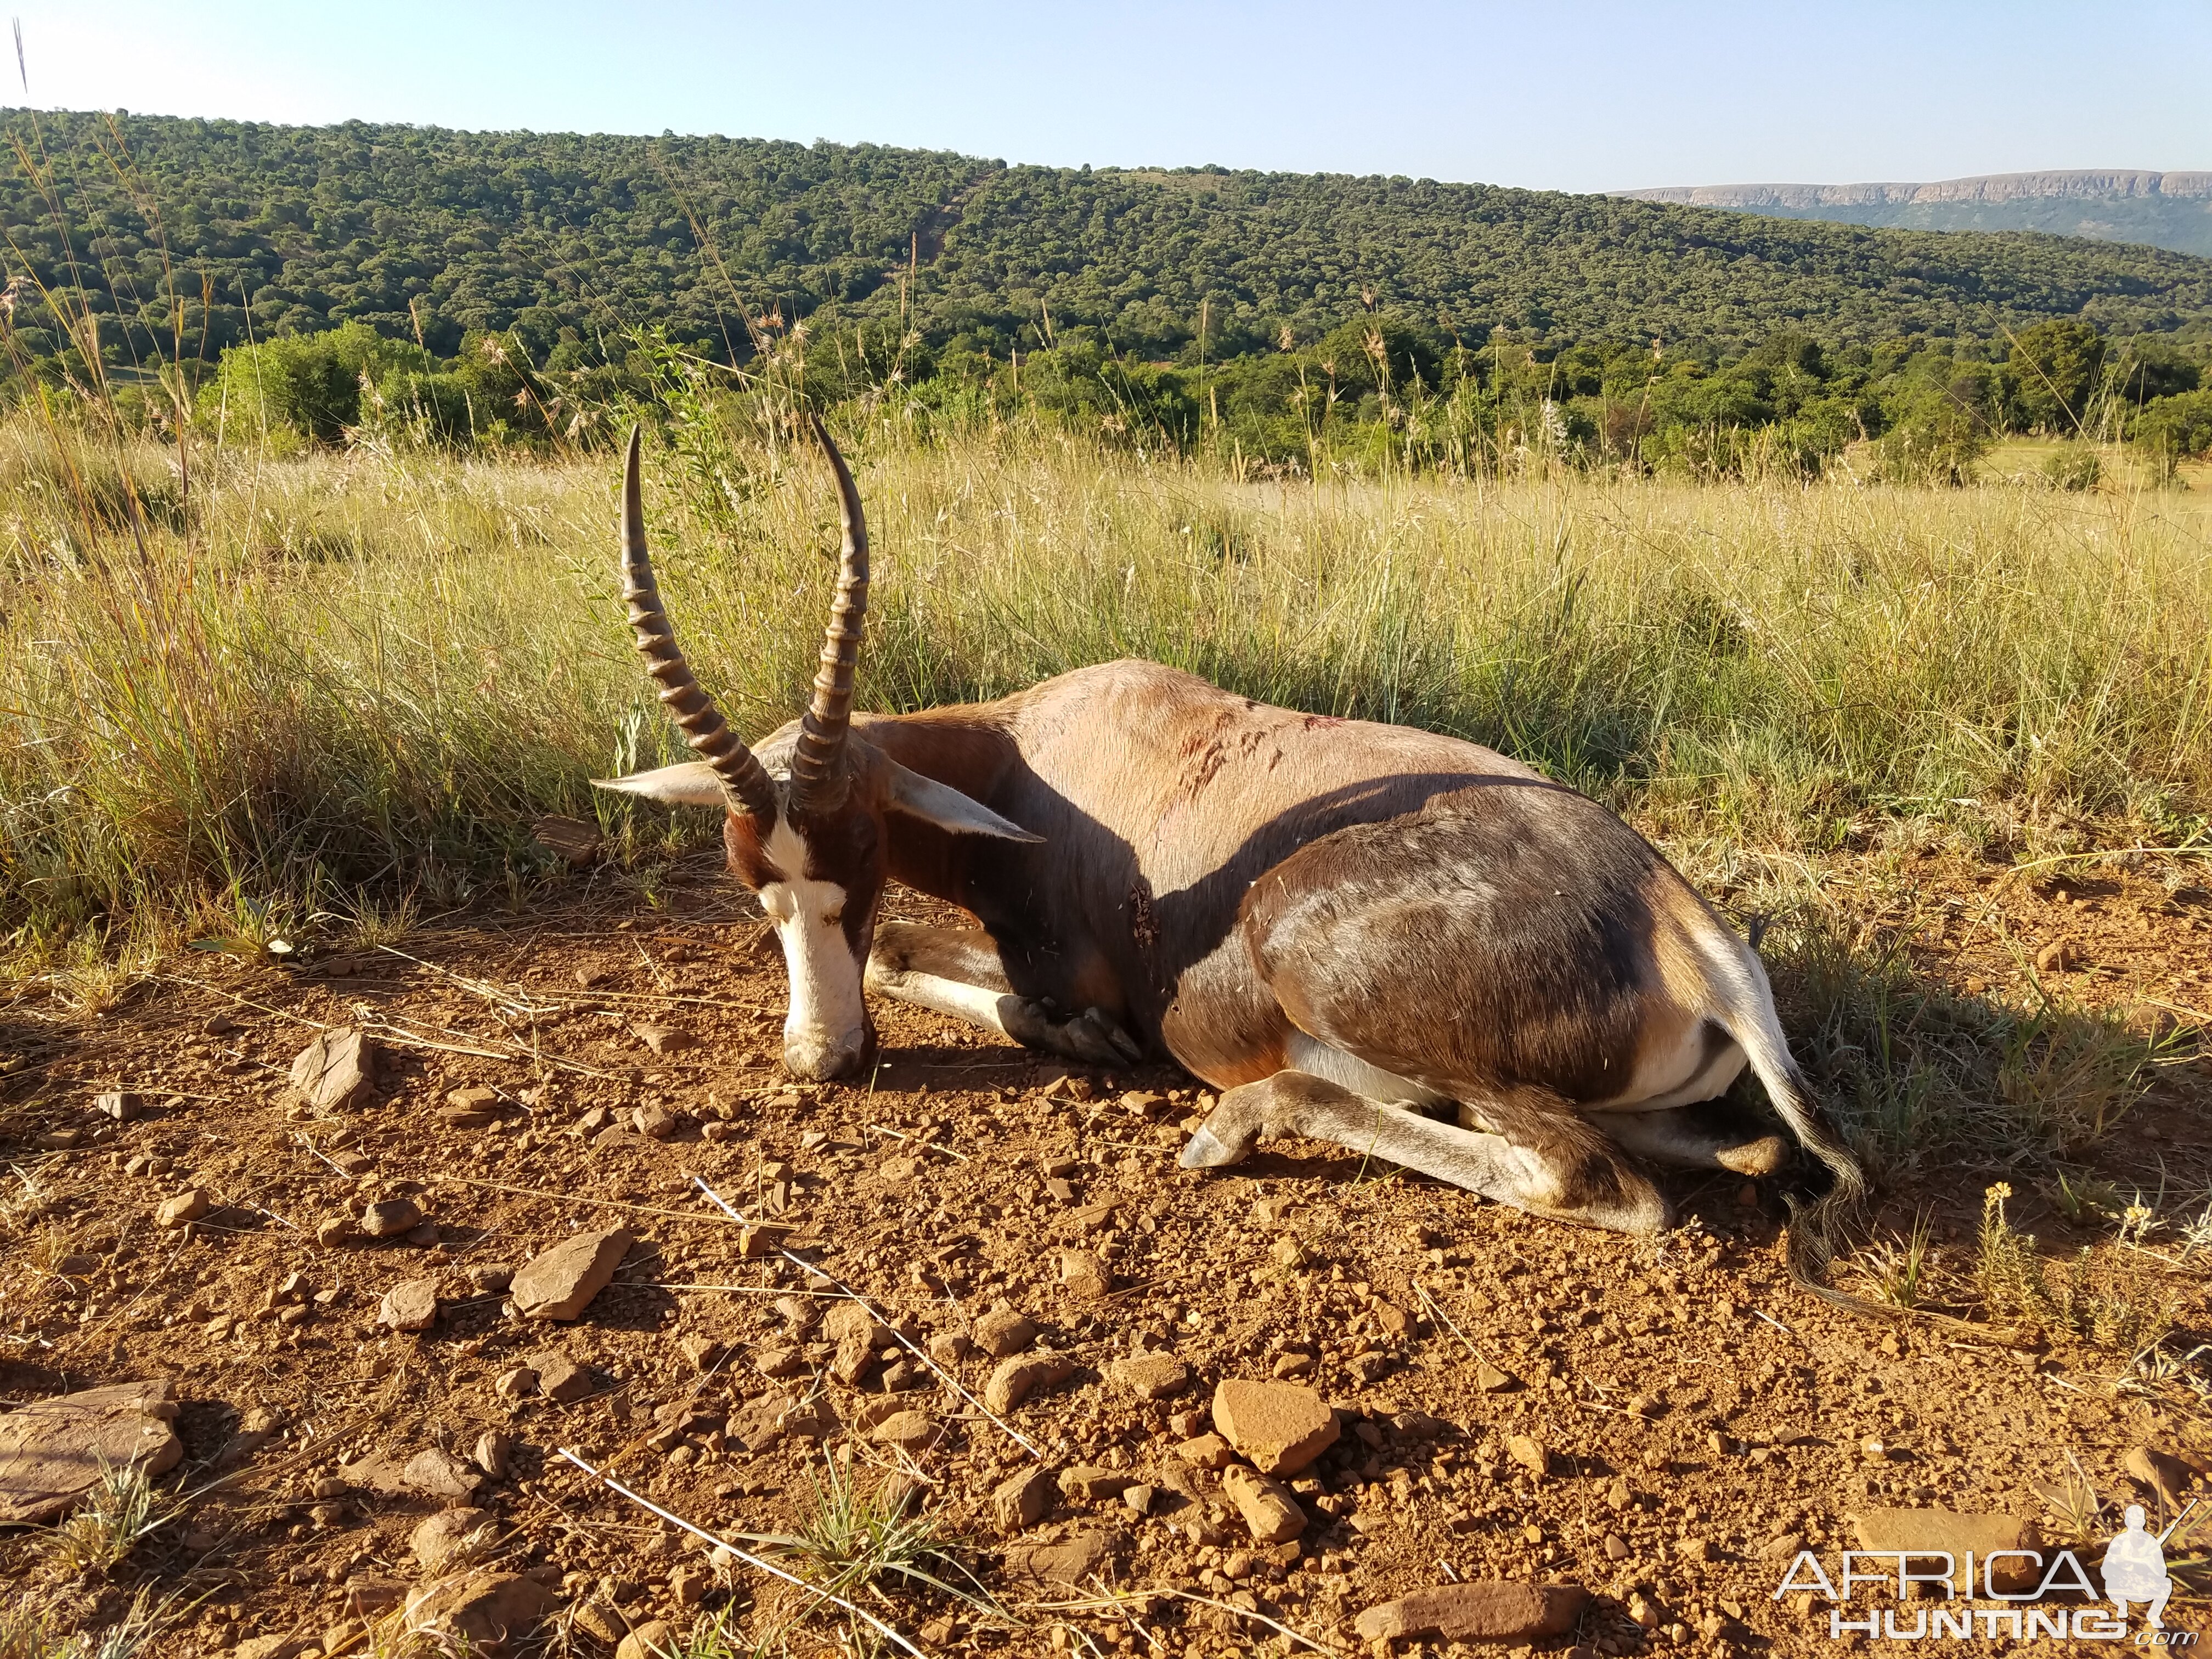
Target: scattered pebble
<point>1004,1332</point>
<point>1279,1427</point>
<point>559,1283</point>
<point>190,1205</point>
<point>409,1305</point>
<point>1484,1611</point>
<point>389,1218</point>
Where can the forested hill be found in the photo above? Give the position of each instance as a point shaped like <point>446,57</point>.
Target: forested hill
<point>421,231</point>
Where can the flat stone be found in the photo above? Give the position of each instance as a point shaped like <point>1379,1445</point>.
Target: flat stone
<point>849,1321</point>
<point>852,1359</point>
<point>704,1352</point>
<point>473,1097</point>
<point>333,1231</point>
<point>494,1450</point>
<point>910,1432</point>
<point>1139,1497</point>
<point>1490,1379</point>
<point>655,1123</point>
<point>1003,1333</point>
<point>665,1039</point>
<point>1022,1499</point>
<point>377,1472</point>
<point>483,1609</point>
<point>440,1474</point>
<point>517,1383</point>
<point>1269,1510</point>
<point>1487,1610</point>
<point>758,1427</point>
<point>1073,1561</point>
<point>124,1105</point>
<point>368,1593</point>
<point>409,1305</point>
<point>1279,1428</point>
<point>335,1071</point>
<point>1085,1275</point>
<point>188,1205</point>
<point>1913,1530</point>
<point>2167,1476</point>
<point>388,1218</point>
<point>869,1412</point>
<point>561,1281</point>
<point>1207,1451</point>
<point>270,1647</point>
<point>1016,1380</point>
<point>602,1623</point>
<point>650,1640</point>
<point>1149,1376</point>
<point>53,1450</point>
<point>559,1377</point>
<point>439,1536</point>
<point>1084,1480</point>
<point>778,1361</point>
<point>1531,1454</point>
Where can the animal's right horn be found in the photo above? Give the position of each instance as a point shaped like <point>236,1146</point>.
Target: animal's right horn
<point>747,785</point>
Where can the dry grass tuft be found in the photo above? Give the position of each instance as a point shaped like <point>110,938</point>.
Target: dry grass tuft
<point>100,1534</point>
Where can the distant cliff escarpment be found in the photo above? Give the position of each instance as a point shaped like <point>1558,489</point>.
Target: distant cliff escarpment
<point>2109,204</point>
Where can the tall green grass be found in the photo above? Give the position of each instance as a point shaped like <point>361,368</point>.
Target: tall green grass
<point>336,678</point>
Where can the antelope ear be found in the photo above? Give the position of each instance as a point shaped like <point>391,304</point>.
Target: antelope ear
<point>687,783</point>
<point>946,807</point>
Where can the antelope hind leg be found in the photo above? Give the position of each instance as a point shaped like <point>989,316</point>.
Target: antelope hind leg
<point>959,971</point>
<point>1569,1177</point>
<point>1712,1134</point>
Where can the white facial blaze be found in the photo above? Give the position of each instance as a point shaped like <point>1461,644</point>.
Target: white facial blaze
<point>828,1022</point>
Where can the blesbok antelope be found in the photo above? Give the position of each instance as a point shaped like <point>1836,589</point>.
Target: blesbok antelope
<point>1399,942</point>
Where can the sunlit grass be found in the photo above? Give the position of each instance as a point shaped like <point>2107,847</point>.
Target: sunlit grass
<point>334,693</point>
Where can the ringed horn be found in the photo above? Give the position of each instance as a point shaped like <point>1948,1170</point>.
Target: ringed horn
<point>818,780</point>
<point>818,762</point>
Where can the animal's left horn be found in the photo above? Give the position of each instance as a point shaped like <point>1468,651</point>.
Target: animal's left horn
<point>818,780</point>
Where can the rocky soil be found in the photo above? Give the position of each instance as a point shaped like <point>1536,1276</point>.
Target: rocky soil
<point>401,1230</point>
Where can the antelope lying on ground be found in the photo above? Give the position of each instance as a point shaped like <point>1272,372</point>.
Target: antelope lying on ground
<point>1398,942</point>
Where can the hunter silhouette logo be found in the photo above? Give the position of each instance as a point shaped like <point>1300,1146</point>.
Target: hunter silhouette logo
<point>2134,1567</point>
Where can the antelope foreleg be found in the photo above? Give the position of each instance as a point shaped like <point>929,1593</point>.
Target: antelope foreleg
<point>959,972</point>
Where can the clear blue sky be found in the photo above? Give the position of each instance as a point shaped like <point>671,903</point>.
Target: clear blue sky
<point>1556,95</point>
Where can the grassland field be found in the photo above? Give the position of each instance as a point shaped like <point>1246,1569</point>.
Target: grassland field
<point>275,734</point>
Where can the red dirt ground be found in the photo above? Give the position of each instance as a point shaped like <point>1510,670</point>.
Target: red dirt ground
<point>1696,1406</point>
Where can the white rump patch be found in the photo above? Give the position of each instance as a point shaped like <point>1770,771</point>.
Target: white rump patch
<point>828,1021</point>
